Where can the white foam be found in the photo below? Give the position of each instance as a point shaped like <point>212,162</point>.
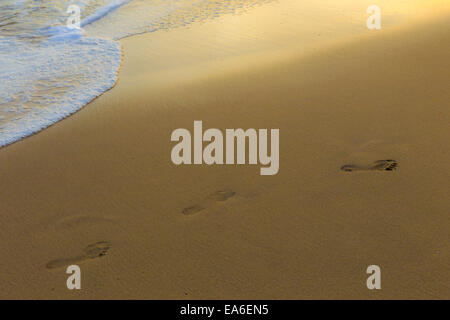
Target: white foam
<point>42,84</point>
<point>44,81</point>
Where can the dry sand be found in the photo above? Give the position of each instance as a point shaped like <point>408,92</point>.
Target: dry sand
<point>105,174</point>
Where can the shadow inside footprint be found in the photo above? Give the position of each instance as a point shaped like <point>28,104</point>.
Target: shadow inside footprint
<point>92,251</point>
<point>98,249</point>
<point>379,165</point>
<point>192,209</point>
<point>218,196</point>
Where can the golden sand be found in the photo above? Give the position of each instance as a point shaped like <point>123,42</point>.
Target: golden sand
<point>99,190</point>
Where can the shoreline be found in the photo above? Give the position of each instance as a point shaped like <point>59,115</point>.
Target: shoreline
<point>105,176</point>
<point>253,60</point>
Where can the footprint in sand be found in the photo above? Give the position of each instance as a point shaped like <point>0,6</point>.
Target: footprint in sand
<point>219,196</point>
<point>379,165</point>
<point>92,251</point>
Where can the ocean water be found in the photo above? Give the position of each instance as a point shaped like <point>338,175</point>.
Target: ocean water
<point>49,71</point>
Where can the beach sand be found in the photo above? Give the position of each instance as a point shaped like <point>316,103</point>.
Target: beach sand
<point>99,188</point>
